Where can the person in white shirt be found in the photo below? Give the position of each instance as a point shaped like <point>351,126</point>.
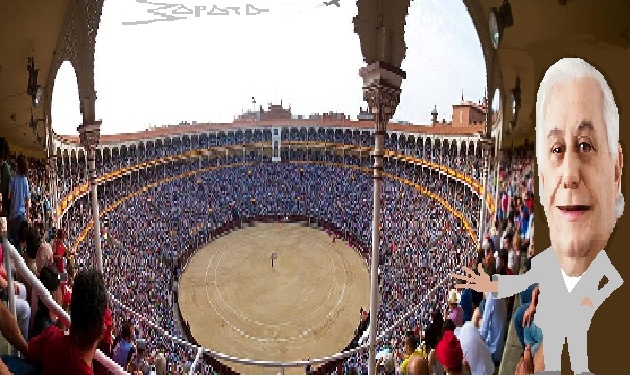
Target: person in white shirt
<point>476,352</point>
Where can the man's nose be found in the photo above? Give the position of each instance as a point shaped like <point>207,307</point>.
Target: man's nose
<point>571,170</point>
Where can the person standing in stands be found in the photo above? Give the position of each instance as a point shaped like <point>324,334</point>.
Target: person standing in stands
<point>124,349</point>
<point>59,250</point>
<point>493,326</point>
<point>20,196</point>
<point>455,311</point>
<point>73,354</point>
<point>433,333</point>
<point>5,181</point>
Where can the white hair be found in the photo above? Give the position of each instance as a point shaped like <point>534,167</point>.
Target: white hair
<point>565,70</point>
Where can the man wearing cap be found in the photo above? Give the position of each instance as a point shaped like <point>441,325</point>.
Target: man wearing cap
<point>455,311</point>
<point>449,351</point>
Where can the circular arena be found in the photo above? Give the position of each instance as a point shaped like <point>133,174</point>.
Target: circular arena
<point>303,305</point>
<point>187,215</point>
<point>191,224</point>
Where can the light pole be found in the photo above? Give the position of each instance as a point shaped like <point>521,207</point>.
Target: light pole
<point>89,135</point>
<point>381,89</point>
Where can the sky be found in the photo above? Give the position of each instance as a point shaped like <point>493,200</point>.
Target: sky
<point>305,54</point>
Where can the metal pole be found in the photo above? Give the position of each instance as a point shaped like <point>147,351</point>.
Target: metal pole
<point>484,176</point>
<point>95,209</point>
<point>482,211</point>
<point>381,89</point>
<point>497,186</point>
<point>376,239</point>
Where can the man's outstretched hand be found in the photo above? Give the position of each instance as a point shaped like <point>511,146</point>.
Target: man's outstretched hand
<point>480,283</point>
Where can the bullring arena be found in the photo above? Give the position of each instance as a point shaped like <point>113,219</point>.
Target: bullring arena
<point>305,306</point>
<point>191,220</point>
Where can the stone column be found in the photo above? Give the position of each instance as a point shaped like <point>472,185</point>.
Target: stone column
<point>381,89</point>
<point>89,135</point>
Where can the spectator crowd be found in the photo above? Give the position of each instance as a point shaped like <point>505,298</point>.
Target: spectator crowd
<point>189,202</point>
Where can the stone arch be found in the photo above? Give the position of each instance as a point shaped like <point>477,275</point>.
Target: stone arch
<point>454,149</point>
<point>446,146</point>
<point>367,138</point>
<point>437,144</point>
<point>402,142</point>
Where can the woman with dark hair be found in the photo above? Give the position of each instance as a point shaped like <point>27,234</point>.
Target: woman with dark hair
<point>43,319</point>
<point>20,195</point>
<point>433,333</point>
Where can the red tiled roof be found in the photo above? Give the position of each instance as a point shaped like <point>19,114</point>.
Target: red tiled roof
<point>175,130</point>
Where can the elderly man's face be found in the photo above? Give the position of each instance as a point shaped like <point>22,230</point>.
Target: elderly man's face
<point>579,176</point>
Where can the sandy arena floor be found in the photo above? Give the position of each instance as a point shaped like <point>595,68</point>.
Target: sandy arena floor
<point>307,305</point>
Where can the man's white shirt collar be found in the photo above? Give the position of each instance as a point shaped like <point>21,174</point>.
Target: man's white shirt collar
<point>571,281</point>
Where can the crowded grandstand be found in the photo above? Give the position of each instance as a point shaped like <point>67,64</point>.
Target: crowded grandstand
<point>187,185</point>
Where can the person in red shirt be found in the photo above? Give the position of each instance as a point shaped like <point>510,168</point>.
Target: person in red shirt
<point>59,250</point>
<point>60,354</point>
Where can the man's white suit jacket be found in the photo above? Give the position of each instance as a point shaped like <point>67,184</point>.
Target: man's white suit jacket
<point>557,307</point>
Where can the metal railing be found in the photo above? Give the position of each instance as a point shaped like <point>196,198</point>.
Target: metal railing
<point>11,254</point>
